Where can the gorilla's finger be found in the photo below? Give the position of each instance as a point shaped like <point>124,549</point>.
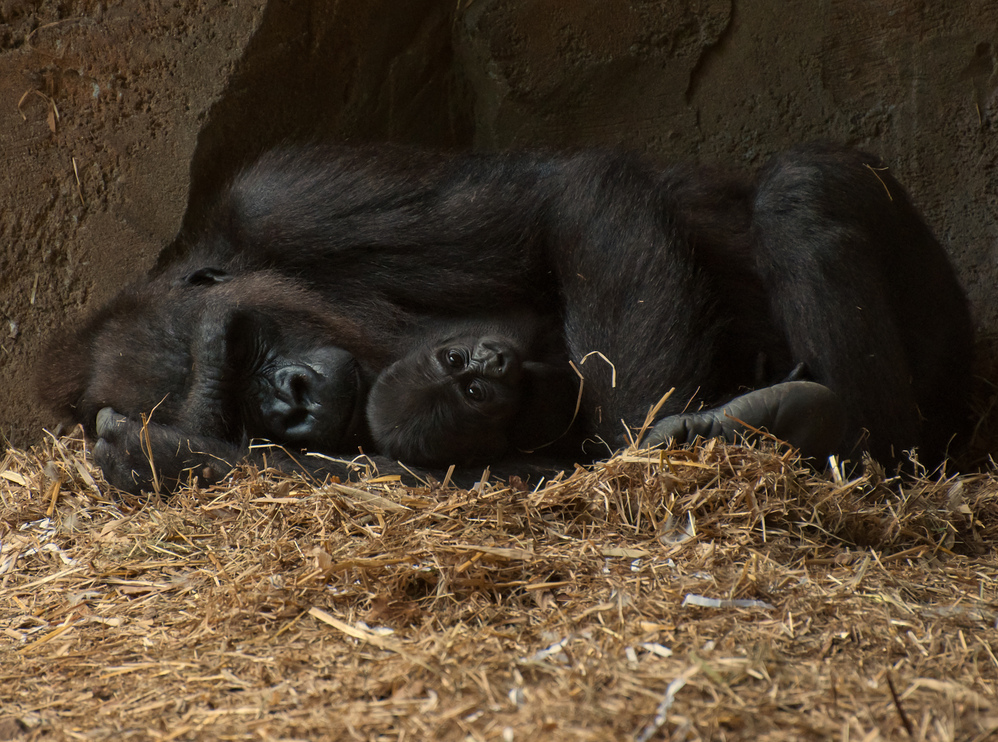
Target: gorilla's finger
<point>675,429</point>
<point>102,453</point>
<point>116,466</point>
<point>110,424</point>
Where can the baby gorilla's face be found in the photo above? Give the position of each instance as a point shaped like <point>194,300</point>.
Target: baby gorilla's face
<point>448,402</point>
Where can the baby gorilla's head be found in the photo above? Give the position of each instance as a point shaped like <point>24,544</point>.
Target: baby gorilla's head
<point>449,401</point>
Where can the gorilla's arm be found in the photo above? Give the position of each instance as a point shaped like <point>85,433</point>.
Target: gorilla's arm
<point>430,231</point>
<point>807,415</point>
<point>123,448</point>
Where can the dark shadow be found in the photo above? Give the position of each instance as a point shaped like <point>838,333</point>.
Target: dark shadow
<point>374,70</point>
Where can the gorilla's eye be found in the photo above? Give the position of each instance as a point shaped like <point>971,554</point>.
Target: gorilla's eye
<point>475,391</point>
<point>455,358</point>
<point>206,277</point>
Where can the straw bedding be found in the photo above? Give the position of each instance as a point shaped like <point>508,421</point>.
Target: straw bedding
<point>719,592</point>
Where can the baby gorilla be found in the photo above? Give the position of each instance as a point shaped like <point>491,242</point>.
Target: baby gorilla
<point>469,392</point>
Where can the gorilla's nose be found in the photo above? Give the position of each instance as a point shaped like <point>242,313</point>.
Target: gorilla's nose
<point>289,413</point>
<point>491,358</point>
<point>293,384</point>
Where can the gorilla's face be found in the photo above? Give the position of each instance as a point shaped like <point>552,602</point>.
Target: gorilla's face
<point>282,380</point>
<point>448,402</point>
<point>230,357</point>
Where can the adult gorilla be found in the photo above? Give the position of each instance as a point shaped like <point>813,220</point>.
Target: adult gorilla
<point>318,263</point>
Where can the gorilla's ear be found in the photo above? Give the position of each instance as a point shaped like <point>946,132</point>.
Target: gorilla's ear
<point>206,277</point>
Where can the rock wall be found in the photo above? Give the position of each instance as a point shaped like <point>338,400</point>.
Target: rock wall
<point>119,119</point>
<point>733,82</point>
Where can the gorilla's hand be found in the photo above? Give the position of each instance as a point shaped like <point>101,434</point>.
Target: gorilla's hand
<point>137,457</point>
<point>807,415</point>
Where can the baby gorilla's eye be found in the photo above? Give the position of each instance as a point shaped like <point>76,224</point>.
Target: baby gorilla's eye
<point>475,391</point>
<point>455,358</point>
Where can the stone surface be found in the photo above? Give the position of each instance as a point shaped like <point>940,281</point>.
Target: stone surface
<point>113,115</point>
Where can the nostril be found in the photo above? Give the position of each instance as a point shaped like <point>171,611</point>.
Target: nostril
<point>293,385</point>
<point>299,387</point>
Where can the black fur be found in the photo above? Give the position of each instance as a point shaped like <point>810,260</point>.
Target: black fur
<point>686,277</point>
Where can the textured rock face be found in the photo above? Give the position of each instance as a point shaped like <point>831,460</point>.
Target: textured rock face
<point>118,120</point>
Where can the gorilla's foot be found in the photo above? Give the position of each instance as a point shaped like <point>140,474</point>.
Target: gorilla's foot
<point>807,415</point>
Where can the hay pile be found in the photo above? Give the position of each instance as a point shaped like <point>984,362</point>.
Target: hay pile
<point>714,593</point>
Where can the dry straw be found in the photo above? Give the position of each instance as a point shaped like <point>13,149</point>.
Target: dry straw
<point>718,592</point>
